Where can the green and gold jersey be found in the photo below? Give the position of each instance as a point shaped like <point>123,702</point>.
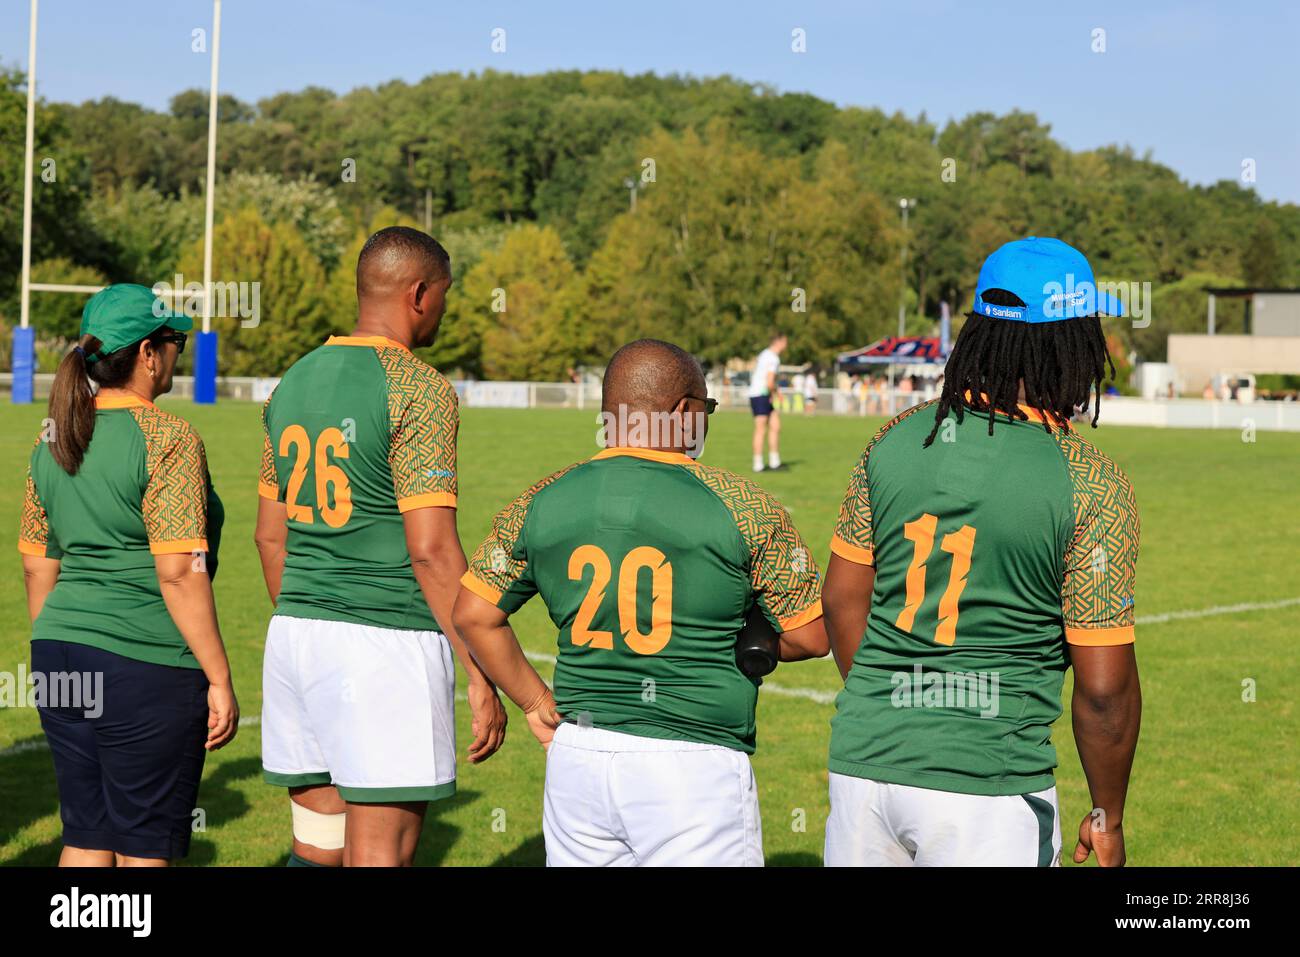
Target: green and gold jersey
<point>357,432</point>
<point>648,563</point>
<point>142,490</point>
<point>992,553</point>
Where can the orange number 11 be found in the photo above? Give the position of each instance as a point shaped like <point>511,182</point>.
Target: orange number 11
<point>959,545</point>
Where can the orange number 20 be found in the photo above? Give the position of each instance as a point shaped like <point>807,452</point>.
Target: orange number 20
<point>661,590</point>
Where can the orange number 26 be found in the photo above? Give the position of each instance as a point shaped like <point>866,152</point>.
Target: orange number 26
<point>294,441</point>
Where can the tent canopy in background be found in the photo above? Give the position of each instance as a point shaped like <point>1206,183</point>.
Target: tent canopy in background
<point>894,350</point>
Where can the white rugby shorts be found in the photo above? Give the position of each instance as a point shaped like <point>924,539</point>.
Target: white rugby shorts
<point>367,709</point>
<point>615,799</point>
<point>874,824</point>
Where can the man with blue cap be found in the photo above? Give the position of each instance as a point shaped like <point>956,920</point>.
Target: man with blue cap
<point>968,573</point>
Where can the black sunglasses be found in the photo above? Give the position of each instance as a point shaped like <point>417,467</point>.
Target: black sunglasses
<point>179,338</point>
<point>710,405</point>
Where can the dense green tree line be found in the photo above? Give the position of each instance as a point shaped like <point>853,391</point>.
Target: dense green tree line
<point>752,209</point>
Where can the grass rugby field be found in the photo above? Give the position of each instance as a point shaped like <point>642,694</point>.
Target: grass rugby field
<point>1215,776</point>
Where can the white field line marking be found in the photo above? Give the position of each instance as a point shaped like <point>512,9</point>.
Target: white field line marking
<point>812,694</point>
<point>1217,610</point>
<point>818,695</point>
<point>26,747</point>
<point>828,697</point>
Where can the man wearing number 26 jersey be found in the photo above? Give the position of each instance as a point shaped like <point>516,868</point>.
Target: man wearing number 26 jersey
<point>357,534</point>
<point>649,564</point>
<point>984,547</point>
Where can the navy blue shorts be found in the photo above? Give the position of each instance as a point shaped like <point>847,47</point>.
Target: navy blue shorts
<point>760,404</point>
<point>128,752</point>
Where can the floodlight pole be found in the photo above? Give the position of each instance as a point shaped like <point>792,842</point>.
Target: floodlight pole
<point>904,205</point>
<point>205,346</point>
<point>24,351</point>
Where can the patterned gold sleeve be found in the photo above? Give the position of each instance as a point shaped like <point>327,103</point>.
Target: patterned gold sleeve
<point>268,485</point>
<point>175,503</point>
<point>783,572</point>
<point>1097,592</point>
<point>785,576</point>
<point>499,569</point>
<point>852,539</point>
<point>34,529</point>
<point>424,418</point>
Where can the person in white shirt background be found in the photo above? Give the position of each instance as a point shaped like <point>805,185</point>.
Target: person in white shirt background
<point>763,390</point>
<point>809,393</point>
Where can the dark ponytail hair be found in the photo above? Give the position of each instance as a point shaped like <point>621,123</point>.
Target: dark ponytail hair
<point>72,401</point>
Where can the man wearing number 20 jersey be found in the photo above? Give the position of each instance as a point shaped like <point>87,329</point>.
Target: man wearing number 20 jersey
<point>649,564</point>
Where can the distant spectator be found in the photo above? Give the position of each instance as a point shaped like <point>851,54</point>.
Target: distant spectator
<point>763,390</point>
<point>809,394</point>
<point>883,397</point>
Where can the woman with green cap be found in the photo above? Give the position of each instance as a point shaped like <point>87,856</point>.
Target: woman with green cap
<point>119,542</point>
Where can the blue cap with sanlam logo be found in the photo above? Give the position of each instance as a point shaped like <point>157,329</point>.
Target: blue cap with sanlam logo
<point>1052,278</point>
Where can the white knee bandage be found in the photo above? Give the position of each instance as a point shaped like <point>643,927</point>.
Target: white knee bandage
<point>319,830</point>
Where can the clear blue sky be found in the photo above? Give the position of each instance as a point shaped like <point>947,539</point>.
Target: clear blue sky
<point>1201,85</point>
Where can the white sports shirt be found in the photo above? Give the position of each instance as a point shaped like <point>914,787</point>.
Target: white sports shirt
<point>768,363</point>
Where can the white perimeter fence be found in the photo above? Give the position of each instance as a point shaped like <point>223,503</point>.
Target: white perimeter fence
<point>1115,410</point>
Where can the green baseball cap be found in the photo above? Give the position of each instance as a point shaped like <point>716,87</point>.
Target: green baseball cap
<point>125,313</point>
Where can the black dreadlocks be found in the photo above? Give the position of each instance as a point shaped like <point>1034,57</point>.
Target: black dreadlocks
<point>1059,363</point>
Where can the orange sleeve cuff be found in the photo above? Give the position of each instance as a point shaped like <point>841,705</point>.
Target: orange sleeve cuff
<point>851,552</point>
<point>31,548</point>
<point>480,588</point>
<point>179,547</point>
<point>428,500</point>
<point>268,491</point>
<point>1100,637</point>
<point>811,613</point>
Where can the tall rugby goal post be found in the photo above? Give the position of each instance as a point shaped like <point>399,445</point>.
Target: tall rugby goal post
<point>24,340</point>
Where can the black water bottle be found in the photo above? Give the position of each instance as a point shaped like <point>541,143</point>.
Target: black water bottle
<point>758,647</point>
